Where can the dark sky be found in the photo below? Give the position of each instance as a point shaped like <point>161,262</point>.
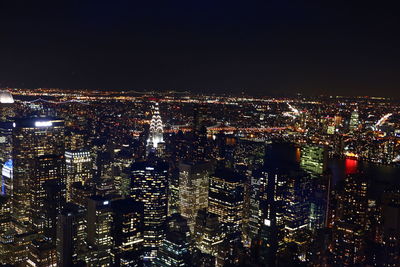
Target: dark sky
<point>259,47</point>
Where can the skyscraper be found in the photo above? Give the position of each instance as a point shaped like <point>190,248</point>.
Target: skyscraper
<point>314,158</point>
<point>350,221</point>
<point>47,193</point>
<point>79,167</point>
<point>174,249</point>
<point>6,127</point>
<point>297,202</point>
<point>314,161</point>
<point>193,189</point>
<point>33,139</point>
<point>354,121</point>
<point>99,231</point>
<point>71,235</point>
<point>208,233</point>
<point>156,138</point>
<point>149,186</point>
<point>257,203</point>
<point>226,198</point>
<point>127,231</point>
<point>280,208</point>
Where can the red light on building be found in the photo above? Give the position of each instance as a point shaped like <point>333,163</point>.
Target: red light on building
<point>351,166</point>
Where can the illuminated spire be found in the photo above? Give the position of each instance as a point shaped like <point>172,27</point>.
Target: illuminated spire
<point>156,129</point>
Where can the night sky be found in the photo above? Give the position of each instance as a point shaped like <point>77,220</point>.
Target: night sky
<point>259,47</point>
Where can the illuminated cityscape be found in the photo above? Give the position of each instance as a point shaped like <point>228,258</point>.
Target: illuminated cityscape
<point>199,134</point>
<point>126,179</point>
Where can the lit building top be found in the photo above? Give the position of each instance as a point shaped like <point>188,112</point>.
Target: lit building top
<point>38,122</point>
<point>156,128</point>
<point>6,97</point>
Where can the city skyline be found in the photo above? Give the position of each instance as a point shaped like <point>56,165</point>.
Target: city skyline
<point>105,178</point>
<point>199,133</point>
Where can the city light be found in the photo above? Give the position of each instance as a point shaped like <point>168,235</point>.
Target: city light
<point>196,134</point>
<point>43,123</point>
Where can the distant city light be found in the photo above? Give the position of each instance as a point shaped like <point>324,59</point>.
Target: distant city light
<point>43,123</point>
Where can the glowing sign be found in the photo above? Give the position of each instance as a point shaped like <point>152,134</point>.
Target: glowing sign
<point>43,123</point>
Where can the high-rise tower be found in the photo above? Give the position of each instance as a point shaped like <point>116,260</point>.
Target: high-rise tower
<point>226,198</point>
<point>354,121</point>
<point>33,139</point>
<point>350,224</point>
<point>193,189</point>
<point>79,167</point>
<point>156,139</point>
<point>6,115</point>
<point>149,186</point>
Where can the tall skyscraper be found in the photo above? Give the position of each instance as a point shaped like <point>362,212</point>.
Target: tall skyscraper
<point>314,158</point>
<point>280,208</point>
<point>79,167</point>
<point>127,232</point>
<point>350,221</point>
<point>226,198</point>
<point>297,203</point>
<point>99,231</point>
<point>6,127</point>
<point>354,121</point>
<point>155,141</point>
<point>193,189</point>
<point>71,235</point>
<point>149,186</point>
<point>257,203</point>
<point>33,139</point>
<point>314,161</point>
<point>47,192</point>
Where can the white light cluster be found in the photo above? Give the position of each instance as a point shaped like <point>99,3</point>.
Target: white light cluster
<point>43,123</point>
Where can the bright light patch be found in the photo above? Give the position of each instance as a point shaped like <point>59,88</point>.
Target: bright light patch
<point>106,202</point>
<point>43,123</point>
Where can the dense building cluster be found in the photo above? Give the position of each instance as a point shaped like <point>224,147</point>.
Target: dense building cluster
<point>129,179</point>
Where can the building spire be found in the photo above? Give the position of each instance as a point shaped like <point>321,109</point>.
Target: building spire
<point>156,129</point>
